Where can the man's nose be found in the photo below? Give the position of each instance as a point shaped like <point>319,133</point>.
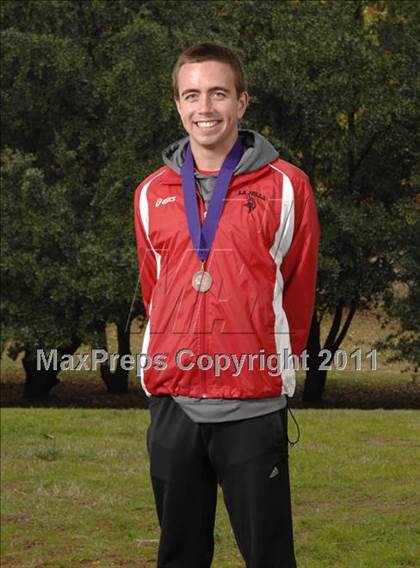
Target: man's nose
<point>205,104</point>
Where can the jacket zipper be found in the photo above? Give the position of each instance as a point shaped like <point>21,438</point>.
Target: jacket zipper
<point>202,308</point>
<point>202,343</point>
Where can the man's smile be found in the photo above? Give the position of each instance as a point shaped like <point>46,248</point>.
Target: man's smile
<point>207,123</point>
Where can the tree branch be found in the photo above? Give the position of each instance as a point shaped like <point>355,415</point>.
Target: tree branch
<point>343,332</point>
<point>335,327</point>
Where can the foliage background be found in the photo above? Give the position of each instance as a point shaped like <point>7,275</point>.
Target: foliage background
<point>87,109</point>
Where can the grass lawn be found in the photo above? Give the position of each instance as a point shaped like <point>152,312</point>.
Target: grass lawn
<point>76,490</point>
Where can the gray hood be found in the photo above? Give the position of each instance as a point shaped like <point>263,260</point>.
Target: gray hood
<point>258,152</point>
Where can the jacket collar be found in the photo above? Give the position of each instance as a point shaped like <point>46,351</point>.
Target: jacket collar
<point>169,177</point>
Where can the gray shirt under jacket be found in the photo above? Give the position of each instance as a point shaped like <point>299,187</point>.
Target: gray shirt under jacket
<point>257,153</point>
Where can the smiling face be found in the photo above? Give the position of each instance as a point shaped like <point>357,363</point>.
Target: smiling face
<point>209,106</point>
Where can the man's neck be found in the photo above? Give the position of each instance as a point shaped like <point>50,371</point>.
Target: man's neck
<point>211,159</point>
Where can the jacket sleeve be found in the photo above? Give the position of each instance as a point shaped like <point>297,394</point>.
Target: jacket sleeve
<point>145,254</point>
<point>299,267</point>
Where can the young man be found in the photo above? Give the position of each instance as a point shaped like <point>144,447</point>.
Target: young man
<point>227,237</point>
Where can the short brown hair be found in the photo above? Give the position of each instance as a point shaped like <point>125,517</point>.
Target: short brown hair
<point>211,52</point>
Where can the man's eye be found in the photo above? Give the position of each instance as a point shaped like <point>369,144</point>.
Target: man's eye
<point>219,94</point>
<point>190,97</point>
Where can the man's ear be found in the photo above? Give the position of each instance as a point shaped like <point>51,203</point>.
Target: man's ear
<point>177,106</point>
<point>242,103</point>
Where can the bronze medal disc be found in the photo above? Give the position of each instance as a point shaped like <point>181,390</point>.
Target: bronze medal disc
<point>202,281</point>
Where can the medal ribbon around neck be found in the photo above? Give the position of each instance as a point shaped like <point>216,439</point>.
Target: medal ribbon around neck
<point>203,236</point>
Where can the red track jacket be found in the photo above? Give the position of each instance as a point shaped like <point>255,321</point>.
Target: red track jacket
<point>263,263</point>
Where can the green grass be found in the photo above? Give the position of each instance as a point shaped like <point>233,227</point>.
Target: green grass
<point>76,490</point>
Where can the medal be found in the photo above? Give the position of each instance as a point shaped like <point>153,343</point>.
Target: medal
<point>202,237</point>
<point>202,281</point>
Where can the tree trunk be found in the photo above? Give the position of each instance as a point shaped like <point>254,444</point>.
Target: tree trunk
<point>315,378</point>
<point>39,382</point>
<point>117,381</point>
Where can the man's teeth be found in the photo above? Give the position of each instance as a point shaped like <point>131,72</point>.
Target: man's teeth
<point>207,124</point>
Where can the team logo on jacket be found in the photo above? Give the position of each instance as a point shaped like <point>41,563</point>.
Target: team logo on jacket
<point>252,197</point>
<point>165,200</point>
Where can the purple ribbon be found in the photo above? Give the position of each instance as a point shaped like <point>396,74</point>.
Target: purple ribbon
<point>203,236</point>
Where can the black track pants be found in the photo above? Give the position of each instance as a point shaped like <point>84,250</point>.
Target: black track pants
<point>249,458</point>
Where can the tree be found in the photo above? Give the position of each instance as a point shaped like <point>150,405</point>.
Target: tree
<point>41,307</point>
<point>131,81</point>
<point>46,101</point>
<point>83,97</point>
<point>404,303</point>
